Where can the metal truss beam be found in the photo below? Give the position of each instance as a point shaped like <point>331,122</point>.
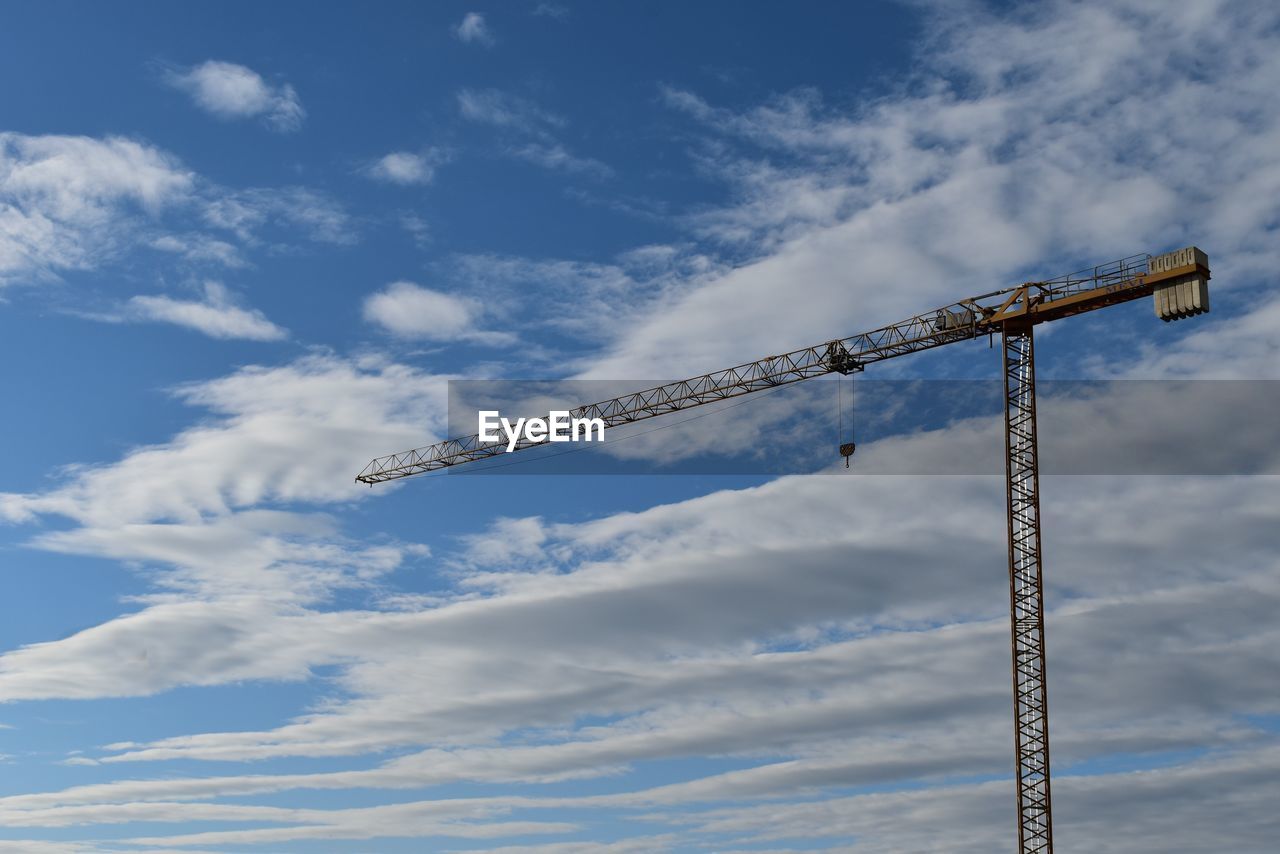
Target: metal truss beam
<point>1030,700</point>
<point>1033,302</point>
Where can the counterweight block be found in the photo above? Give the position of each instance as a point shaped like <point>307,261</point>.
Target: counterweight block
<point>1185,296</point>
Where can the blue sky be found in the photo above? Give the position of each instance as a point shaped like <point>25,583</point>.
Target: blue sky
<point>244,248</point>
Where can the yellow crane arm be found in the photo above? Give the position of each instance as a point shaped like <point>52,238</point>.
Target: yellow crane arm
<point>1177,279</point>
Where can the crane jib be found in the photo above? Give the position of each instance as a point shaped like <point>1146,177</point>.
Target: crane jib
<point>1177,280</point>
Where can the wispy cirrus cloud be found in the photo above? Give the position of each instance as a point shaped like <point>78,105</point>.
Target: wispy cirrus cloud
<point>253,214</point>
<point>73,202</point>
<point>535,128</point>
<point>592,301</point>
<point>231,91</point>
<point>505,110</point>
<point>557,157</point>
<point>200,248</point>
<point>417,228</point>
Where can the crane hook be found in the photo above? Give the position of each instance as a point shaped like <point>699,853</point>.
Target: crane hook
<point>846,448</point>
<point>846,451</point>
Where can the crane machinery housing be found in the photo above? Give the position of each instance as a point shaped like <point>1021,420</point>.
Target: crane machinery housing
<point>1178,283</point>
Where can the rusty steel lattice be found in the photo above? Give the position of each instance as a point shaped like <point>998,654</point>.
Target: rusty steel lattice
<point>1030,700</point>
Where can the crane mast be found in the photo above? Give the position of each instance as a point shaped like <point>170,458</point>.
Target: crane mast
<point>1026,591</point>
<point>1178,282</point>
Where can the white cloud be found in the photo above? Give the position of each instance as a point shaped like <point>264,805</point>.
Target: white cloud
<point>758,624</point>
<point>473,29</point>
<point>1184,809</point>
<point>644,588</point>
<point>404,167</point>
<point>1241,346</point>
<point>407,310</point>
<point>1007,158</point>
<point>72,202</point>
<point>285,433</point>
<point>216,315</point>
<point>188,511</point>
<point>231,91</point>
<point>676,672</point>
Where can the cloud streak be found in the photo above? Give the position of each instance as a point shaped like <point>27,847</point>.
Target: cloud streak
<point>216,315</point>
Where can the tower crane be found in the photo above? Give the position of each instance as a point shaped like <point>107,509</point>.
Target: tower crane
<point>1178,283</point>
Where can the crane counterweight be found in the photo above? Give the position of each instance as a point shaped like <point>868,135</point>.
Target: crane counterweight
<point>1187,294</point>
